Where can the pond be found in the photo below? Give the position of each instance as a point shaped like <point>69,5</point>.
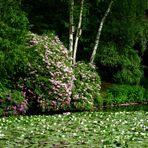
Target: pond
<point>101,129</point>
<point>138,107</point>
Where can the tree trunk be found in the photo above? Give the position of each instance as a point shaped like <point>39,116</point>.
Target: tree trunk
<point>79,31</point>
<point>99,34</point>
<point>71,29</point>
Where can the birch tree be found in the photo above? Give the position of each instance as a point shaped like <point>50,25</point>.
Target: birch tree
<point>71,28</point>
<point>78,33</point>
<point>99,33</point>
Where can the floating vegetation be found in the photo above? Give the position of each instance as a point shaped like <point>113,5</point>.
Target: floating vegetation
<point>87,129</point>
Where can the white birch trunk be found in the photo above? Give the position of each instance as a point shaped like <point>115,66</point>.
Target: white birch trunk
<point>78,34</point>
<point>71,29</point>
<point>99,34</point>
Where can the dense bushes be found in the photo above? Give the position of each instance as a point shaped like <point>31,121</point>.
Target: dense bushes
<point>39,76</point>
<point>51,85</point>
<point>47,82</point>
<point>49,76</point>
<point>122,66</point>
<point>86,87</point>
<point>118,94</point>
<point>14,27</point>
<point>12,102</point>
<point>131,70</point>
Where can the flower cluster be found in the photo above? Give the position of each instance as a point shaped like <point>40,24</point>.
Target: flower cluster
<point>16,109</point>
<point>86,87</point>
<point>50,74</point>
<point>12,103</point>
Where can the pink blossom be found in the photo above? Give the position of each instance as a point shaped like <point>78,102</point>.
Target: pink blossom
<point>14,107</point>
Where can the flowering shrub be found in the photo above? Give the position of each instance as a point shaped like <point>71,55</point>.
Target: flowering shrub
<point>49,79</point>
<point>12,102</point>
<point>86,87</point>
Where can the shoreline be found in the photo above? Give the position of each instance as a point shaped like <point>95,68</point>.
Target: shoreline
<point>120,105</point>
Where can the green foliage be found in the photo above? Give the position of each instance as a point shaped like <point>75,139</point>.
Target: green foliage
<point>108,55</point>
<point>48,15</point>
<point>125,63</point>
<point>128,75</point>
<point>146,94</point>
<point>119,94</point>
<point>12,102</point>
<point>43,70</point>
<point>86,87</point>
<point>14,25</point>
<point>131,71</point>
<point>124,40</point>
<point>127,24</point>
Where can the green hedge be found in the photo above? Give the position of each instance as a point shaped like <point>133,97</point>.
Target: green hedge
<point>119,94</point>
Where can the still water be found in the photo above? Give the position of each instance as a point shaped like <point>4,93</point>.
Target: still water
<point>126,108</point>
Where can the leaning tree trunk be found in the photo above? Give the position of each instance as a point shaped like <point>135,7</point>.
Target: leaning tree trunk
<point>99,33</point>
<point>71,28</point>
<point>79,31</point>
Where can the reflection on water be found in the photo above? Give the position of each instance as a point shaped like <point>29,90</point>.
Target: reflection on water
<point>127,108</point>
